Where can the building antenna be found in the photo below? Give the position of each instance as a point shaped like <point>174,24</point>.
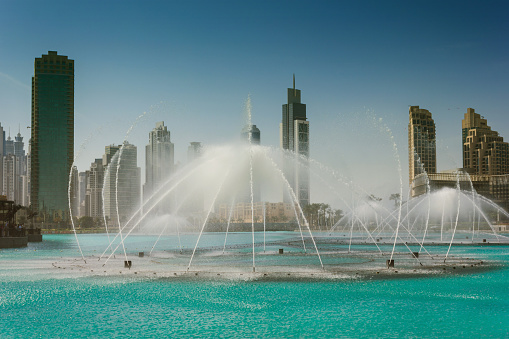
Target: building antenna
<point>294,91</point>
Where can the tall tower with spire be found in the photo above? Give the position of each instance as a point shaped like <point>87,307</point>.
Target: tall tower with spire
<point>2,141</point>
<point>9,144</point>
<point>294,137</point>
<point>19,149</point>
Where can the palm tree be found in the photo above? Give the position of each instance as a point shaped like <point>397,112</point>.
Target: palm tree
<point>396,197</point>
<point>322,211</point>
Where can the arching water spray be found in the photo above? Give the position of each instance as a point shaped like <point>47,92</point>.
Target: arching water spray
<point>428,194</point>
<point>264,228</point>
<point>249,119</point>
<point>119,160</point>
<point>207,218</point>
<point>294,197</point>
<point>352,222</point>
<point>175,181</point>
<point>457,213</point>
<point>82,147</point>
<point>388,131</point>
<point>473,204</point>
<point>106,179</point>
<point>177,209</point>
<point>228,223</point>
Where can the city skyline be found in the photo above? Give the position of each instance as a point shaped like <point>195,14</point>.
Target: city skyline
<point>194,66</point>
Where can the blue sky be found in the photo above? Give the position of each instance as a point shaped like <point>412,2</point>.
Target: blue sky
<point>193,64</point>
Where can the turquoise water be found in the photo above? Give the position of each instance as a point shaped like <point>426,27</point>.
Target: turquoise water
<point>36,304</point>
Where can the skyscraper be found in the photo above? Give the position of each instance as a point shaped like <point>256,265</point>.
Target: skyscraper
<point>484,150</point>
<point>125,190</point>
<point>422,148</point>
<point>2,141</point>
<point>159,159</point>
<point>193,206</point>
<point>9,145</point>
<point>294,137</point>
<point>73,192</point>
<point>94,187</point>
<point>251,134</point>
<point>19,145</point>
<point>21,164</point>
<point>2,152</point>
<point>82,192</point>
<point>193,151</point>
<point>10,177</point>
<point>13,170</point>
<point>52,144</point>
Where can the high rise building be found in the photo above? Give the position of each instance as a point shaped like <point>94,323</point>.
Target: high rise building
<point>193,206</point>
<point>82,192</point>
<point>121,193</point>
<point>2,141</point>
<point>52,141</point>
<point>10,177</point>
<point>251,134</point>
<point>19,145</point>
<point>159,159</point>
<point>13,168</point>
<point>485,164</point>
<point>422,148</point>
<point>9,145</point>
<point>2,152</point>
<point>21,163</point>
<point>26,181</point>
<point>94,189</point>
<point>484,150</point>
<point>193,151</point>
<point>73,192</point>
<point>294,137</point>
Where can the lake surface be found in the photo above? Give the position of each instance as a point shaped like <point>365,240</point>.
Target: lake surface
<point>37,301</point>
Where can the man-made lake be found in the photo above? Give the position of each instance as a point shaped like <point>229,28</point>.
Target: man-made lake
<point>39,300</point>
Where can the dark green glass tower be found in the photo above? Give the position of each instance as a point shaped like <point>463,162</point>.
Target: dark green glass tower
<point>52,135</point>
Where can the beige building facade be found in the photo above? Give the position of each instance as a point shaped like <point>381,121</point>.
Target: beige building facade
<point>484,150</point>
<point>421,143</point>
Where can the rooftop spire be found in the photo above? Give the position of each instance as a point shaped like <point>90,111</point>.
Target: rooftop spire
<point>294,91</point>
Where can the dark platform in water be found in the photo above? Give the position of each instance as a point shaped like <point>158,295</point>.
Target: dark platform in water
<point>13,242</point>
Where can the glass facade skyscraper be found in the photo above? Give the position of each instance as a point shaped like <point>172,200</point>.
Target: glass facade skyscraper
<point>159,159</point>
<point>122,194</point>
<point>294,137</point>
<point>52,148</point>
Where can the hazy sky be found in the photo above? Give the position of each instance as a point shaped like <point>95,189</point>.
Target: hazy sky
<point>193,64</point>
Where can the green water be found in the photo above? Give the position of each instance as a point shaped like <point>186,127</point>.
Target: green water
<point>36,304</point>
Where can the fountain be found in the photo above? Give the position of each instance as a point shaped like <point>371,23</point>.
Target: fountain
<point>234,212</point>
